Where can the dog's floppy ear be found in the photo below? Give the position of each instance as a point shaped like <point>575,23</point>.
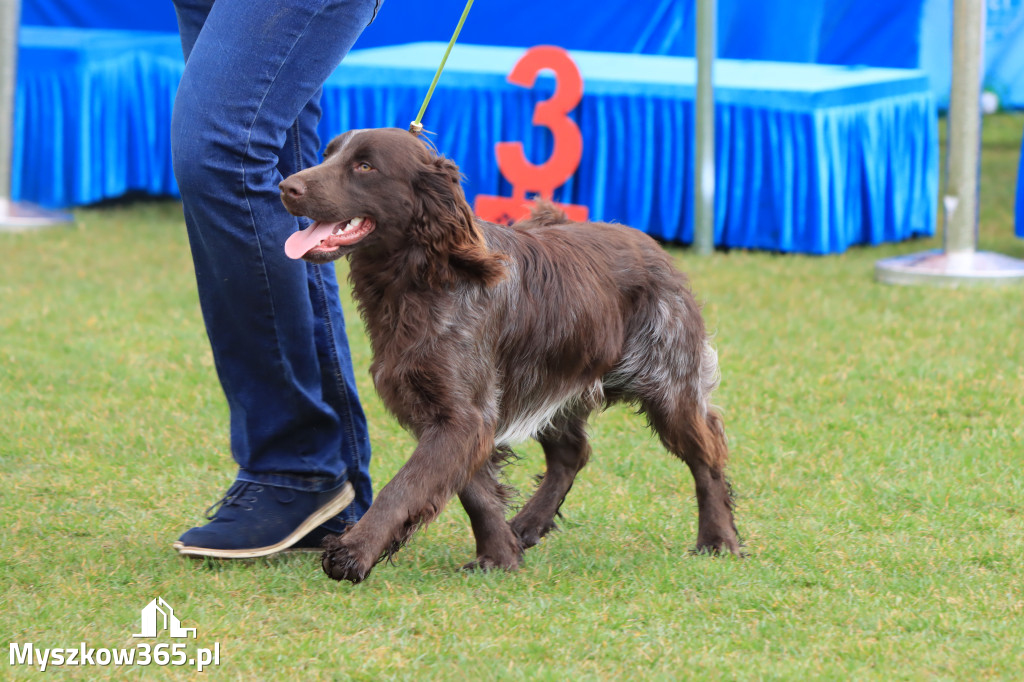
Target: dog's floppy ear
<point>444,227</point>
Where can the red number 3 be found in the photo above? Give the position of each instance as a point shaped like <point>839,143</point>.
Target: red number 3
<point>553,114</point>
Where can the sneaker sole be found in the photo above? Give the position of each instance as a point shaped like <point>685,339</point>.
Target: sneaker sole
<point>343,499</point>
<point>177,545</point>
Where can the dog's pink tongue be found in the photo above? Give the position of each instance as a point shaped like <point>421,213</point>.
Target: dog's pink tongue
<point>300,243</point>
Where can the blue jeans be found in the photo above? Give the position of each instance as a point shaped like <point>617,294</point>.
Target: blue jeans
<point>245,117</point>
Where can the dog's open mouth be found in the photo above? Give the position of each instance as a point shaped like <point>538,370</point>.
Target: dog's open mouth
<point>325,237</point>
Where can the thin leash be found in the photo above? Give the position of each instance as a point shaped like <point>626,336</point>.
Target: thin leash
<point>416,127</point>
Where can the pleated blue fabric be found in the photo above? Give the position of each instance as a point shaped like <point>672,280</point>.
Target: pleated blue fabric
<point>92,115</point>
<point>1019,218</point>
<point>810,158</point>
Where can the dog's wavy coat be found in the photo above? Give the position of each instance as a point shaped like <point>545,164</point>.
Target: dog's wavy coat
<point>485,335</point>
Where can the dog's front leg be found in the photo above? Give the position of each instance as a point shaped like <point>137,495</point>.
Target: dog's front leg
<point>484,498</point>
<point>442,464</point>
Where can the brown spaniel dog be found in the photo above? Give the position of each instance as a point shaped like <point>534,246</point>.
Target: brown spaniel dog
<point>485,335</point>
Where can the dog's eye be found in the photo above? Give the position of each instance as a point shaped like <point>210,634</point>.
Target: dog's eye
<point>362,166</point>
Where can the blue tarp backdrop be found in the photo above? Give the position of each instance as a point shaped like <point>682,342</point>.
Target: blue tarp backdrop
<point>1020,197</point>
<point>893,33</point>
<point>814,158</point>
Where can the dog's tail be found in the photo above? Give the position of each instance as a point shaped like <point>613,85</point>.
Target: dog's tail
<point>710,376</point>
<point>546,213</point>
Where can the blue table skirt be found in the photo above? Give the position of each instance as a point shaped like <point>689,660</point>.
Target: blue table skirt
<point>1019,229</point>
<point>93,114</point>
<point>810,159</point>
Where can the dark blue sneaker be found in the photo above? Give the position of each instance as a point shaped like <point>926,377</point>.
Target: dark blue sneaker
<point>314,541</point>
<point>255,519</point>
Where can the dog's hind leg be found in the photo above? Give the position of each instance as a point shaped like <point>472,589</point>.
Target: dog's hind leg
<point>696,436</point>
<point>566,451</point>
<point>485,499</point>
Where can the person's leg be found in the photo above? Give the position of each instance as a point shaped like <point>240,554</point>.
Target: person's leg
<point>337,377</point>
<point>191,15</point>
<point>246,111</point>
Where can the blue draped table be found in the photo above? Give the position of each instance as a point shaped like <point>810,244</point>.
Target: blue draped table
<point>810,158</point>
<point>1019,219</point>
<point>93,114</point>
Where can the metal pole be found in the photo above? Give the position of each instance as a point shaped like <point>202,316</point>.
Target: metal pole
<point>963,153</point>
<point>704,147</point>
<point>10,16</point>
<point>959,262</point>
<point>15,216</point>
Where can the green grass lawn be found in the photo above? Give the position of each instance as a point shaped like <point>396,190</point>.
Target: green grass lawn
<point>877,440</point>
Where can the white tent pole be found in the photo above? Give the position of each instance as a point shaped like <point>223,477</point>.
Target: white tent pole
<point>10,14</point>
<point>963,155</point>
<point>704,147</point>
<point>960,262</point>
<point>15,216</point>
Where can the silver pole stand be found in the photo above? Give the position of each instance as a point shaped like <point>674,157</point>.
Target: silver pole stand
<point>704,148</point>
<point>960,262</point>
<point>15,216</point>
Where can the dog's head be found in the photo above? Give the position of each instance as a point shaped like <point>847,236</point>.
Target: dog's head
<point>384,190</point>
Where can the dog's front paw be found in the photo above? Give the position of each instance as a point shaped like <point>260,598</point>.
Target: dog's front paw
<point>483,563</point>
<point>507,555</point>
<point>340,563</point>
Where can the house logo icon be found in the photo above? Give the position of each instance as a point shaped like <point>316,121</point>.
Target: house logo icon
<point>159,613</point>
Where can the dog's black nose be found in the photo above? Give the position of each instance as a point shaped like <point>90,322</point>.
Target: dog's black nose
<point>293,187</point>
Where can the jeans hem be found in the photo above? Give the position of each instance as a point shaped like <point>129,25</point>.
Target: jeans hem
<point>308,484</point>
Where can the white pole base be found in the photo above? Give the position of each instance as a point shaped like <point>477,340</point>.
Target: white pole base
<point>19,216</point>
<point>937,268</point>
